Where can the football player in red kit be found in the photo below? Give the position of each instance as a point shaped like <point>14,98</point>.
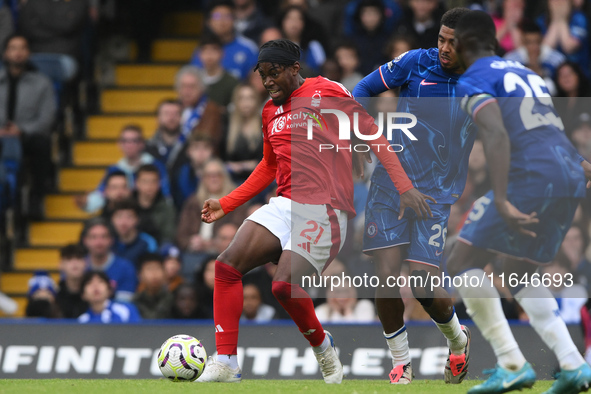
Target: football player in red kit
<point>303,228</point>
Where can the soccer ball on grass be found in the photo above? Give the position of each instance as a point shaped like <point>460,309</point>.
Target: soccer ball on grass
<point>182,358</point>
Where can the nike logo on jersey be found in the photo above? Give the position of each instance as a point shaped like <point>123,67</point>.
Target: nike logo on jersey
<point>425,83</point>
<point>438,253</point>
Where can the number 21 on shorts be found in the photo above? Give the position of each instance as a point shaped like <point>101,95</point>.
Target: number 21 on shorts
<point>314,232</point>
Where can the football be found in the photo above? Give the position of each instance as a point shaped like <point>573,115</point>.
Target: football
<point>182,358</point>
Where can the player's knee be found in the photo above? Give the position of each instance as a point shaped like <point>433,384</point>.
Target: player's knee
<point>230,258</point>
<point>281,290</point>
<point>420,286</point>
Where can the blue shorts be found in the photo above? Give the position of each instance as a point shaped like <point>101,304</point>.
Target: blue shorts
<point>426,238</point>
<point>485,228</point>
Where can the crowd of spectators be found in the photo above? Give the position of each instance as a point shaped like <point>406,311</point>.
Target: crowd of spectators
<point>148,255</point>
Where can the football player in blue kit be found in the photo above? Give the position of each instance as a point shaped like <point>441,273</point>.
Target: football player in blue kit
<point>537,180</point>
<point>437,166</point>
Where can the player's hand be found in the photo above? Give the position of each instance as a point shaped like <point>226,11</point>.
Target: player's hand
<point>516,219</point>
<point>587,168</point>
<point>417,201</point>
<point>212,211</point>
<point>359,159</point>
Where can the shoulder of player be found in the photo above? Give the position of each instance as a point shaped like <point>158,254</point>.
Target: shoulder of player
<point>335,89</point>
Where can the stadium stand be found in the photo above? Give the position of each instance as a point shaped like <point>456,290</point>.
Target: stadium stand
<point>133,99</point>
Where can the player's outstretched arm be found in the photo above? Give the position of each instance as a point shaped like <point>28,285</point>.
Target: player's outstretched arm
<point>262,176</point>
<point>497,149</point>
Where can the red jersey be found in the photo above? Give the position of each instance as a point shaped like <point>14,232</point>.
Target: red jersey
<point>295,134</point>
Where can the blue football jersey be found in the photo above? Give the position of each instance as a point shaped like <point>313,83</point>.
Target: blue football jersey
<point>437,162</point>
<point>543,161</point>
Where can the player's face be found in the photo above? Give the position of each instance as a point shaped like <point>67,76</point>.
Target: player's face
<point>447,52</point>
<point>279,81</point>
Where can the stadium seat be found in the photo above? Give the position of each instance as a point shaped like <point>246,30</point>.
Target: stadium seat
<point>136,101</point>
<point>173,50</point>
<point>36,259</point>
<point>109,127</point>
<point>95,153</point>
<point>54,233</point>
<point>80,179</point>
<point>62,206</point>
<point>145,75</point>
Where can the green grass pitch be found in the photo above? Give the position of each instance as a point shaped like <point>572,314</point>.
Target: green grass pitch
<point>161,386</point>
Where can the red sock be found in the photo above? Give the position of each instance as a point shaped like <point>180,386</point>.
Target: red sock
<point>300,307</point>
<point>227,307</point>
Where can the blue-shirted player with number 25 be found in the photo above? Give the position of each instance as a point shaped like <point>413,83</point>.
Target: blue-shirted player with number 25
<point>537,179</point>
<point>436,163</point>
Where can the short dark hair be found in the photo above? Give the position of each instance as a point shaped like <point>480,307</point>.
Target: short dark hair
<point>114,174</point>
<point>150,168</point>
<point>477,30</point>
<point>168,101</point>
<point>97,221</point>
<point>89,275</point>
<point>219,3</point>
<point>149,258</point>
<point>286,44</point>
<point>72,251</point>
<point>347,45</point>
<point>450,18</point>
<point>211,39</point>
<point>200,137</point>
<point>133,127</point>
<point>10,38</point>
<point>126,205</point>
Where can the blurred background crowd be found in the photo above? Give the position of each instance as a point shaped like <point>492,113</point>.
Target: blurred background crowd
<point>132,216</point>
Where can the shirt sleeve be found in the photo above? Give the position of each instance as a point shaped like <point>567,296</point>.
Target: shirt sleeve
<point>578,26</point>
<point>393,74</point>
<point>379,145</point>
<point>262,176</point>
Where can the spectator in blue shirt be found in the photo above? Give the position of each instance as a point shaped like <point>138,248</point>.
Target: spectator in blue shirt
<point>130,243</point>
<point>240,53</point>
<point>168,142</point>
<point>98,238</point>
<point>567,30</point>
<point>186,179</point>
<point>96,290</point>
<point>132,145</point>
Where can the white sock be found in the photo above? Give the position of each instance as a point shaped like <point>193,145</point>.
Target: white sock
<point>229,359</point>
<point>398,344</point>
<point>484,307</point>
<point>323,346</point>
<point>456,339</point>
<point>544,316</point>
